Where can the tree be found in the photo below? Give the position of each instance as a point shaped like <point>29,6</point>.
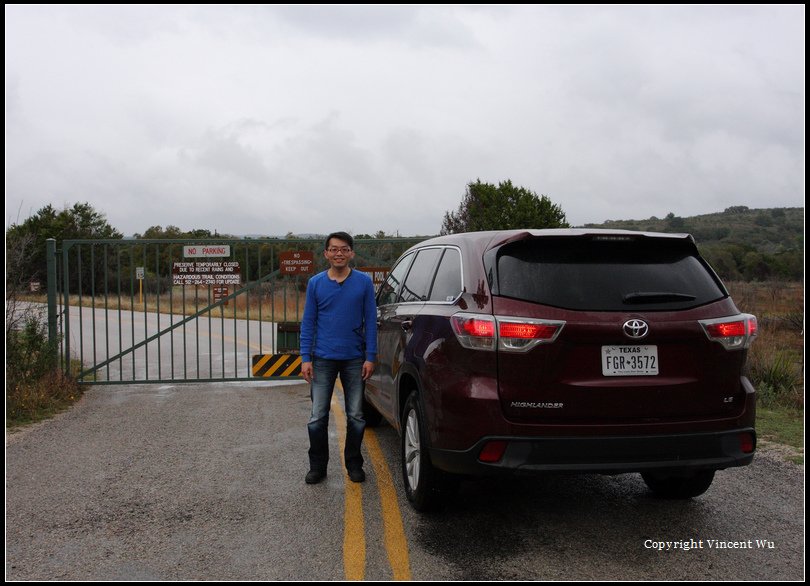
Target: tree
<point>487,207</point>
<point>675,223</point>
<point>78,222</point>
<point>756,267</point>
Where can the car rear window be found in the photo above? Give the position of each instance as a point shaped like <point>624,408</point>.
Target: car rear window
<point>605,275</point>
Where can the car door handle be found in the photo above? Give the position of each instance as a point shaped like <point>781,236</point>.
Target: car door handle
<point>406,325</point>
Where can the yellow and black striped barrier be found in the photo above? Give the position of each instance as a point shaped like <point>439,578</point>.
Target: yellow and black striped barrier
<point>267,365</point>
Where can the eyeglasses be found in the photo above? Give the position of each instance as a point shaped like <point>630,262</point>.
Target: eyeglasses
<point>335,250</point>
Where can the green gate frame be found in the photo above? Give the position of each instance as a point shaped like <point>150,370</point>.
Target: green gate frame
<point>66,270</point>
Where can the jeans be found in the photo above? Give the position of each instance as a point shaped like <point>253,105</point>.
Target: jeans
<point>325,372</point>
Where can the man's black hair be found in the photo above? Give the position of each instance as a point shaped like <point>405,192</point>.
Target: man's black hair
<point>340,236</point>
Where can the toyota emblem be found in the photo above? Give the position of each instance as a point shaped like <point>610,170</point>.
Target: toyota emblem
<point>635,328</point>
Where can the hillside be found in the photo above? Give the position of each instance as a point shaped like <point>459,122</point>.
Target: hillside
<point>740,243</point>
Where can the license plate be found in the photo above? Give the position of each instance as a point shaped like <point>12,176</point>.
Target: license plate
<point>629,360</point>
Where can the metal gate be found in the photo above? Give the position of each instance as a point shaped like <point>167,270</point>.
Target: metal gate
<point>159,311</point>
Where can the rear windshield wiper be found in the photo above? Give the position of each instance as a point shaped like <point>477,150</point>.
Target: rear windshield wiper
<point>639,297</point>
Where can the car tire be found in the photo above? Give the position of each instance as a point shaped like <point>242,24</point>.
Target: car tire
<point>678,485</point>
<point>426,487</point>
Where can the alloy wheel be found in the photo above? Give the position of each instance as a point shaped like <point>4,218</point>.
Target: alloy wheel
<point>412,449</point>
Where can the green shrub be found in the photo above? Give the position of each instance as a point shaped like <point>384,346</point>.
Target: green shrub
<point>29,354</point>
<point>775,376</point>
<point>35,387</point>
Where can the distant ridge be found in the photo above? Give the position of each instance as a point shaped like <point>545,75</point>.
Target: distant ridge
<point>739,242</point>
<point>777,226</point>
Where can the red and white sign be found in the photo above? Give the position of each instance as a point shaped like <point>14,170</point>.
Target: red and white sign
<point>207,251</point>
<point>221,292</point>
<point>297,262</point>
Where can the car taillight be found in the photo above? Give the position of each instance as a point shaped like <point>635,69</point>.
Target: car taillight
<point>526,331</point>
<point>521,335</point>
<point>483,332</point>
<point>726,330</point>
<point>474,331</point>
<point>479,328</point>
<point>733,332</point>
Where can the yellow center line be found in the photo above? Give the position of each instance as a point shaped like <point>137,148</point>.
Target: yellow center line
<point>354,534</point>
<point>396,545</point>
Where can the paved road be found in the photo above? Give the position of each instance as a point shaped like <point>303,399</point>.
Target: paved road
<point>193,482</point>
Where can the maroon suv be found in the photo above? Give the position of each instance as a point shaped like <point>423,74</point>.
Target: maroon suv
<point>549,350</point>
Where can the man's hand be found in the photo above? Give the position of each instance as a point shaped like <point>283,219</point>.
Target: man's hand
<point>306,371</point>
<point>368,369</point>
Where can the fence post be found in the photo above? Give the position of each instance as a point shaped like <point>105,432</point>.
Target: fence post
<point>50,252</point>
<point>53,318</point>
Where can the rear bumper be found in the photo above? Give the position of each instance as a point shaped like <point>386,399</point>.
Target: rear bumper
<point>615,455</point>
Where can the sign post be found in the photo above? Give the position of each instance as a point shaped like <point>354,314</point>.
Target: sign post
<point>139,275</point>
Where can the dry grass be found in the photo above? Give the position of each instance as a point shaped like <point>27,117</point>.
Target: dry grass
<point>769,299</point>
<point>776,358</point>
<point>41,397</point>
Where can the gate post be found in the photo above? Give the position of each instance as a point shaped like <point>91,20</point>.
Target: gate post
<point>50,253</point>
<point>53,330</point>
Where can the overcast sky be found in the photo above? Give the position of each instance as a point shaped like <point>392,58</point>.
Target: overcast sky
<point>273,119</point>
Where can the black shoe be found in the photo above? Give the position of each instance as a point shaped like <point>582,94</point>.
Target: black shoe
<point>357,475</point>
<point>315,476</point>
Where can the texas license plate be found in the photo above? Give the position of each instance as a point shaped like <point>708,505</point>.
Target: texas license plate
<point>629,360</point>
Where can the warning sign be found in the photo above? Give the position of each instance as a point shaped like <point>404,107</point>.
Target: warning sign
<point>206,273</point>
<point>297,262</point>
<point>267,365</point>
<point>207,250</point>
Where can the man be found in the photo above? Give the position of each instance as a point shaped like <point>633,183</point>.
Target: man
<point>338,338</point>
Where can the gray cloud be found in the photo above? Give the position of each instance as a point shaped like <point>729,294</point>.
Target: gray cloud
<point>265,119</point>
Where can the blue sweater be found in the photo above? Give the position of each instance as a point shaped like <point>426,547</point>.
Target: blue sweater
<point>340,320</point>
